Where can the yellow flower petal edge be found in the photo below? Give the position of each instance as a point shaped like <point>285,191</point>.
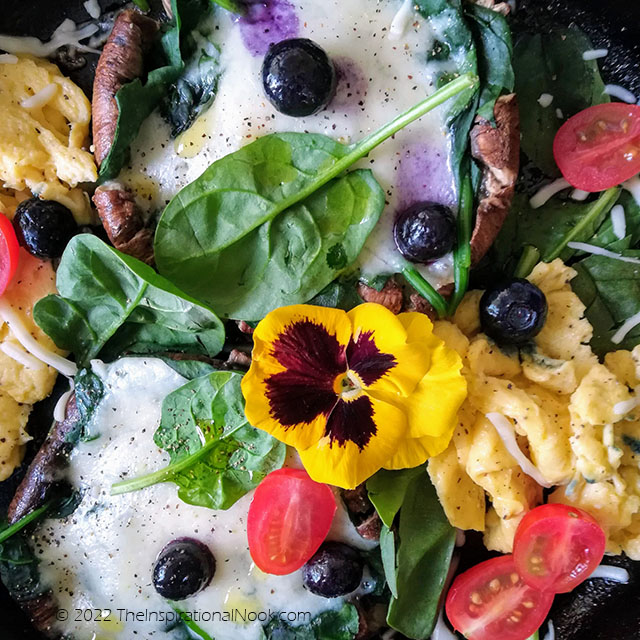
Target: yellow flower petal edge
<point>353,392</point>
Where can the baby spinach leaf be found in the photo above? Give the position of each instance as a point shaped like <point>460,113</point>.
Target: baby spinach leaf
<point>196,88</point>
<point>340,294</point>
<point>110,303</point>
<point>189,369</point>
<point>275,222</point>
<point>388,555</point>
<point>137,99</point>
<point>19,570</point>
<point>230,5</point>
<point>339,624</point>
<point>552,63</point>
<point>88,389</point>
<point>424,548</point>
<point>216,456</point>
<point>387,491</point>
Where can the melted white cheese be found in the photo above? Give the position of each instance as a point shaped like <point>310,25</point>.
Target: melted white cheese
<point>101,557</point>
<point>379,78</point>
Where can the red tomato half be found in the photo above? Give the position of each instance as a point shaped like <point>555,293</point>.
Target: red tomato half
<point>490,602</point>
<point>289,518</point>
<point>557,547</point>
<point>9,251</point>
<point>599,147</point>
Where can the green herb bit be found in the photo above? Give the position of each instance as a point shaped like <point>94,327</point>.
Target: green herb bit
<point>5,534</point>
<point>143,5</point>
<point>229,5</point>
<point>426,290</point>
<point>601,206</point>
<point>462,251</point>
<point>528,260</point>
<point>188,621</point>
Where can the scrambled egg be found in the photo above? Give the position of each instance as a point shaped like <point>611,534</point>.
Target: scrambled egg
<point>24,379</point>
<point>565,408</point>
<point>43,131</point>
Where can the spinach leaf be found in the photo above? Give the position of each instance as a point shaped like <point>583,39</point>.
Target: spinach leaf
<point>7,531</point>
<point>19,569</point>
<point>216,456</point>
<point>548,227</point>
<point>388,555</point>
<point>273,223</point>
<point>340,294</point>
<point>196,88</point>
<point>387,491</point>
<point>110,303</point>
<point>136,100</point>
<point>88,390</point>
<point>340,624</point>
<point>189,369</point>
<point>552,63</point>
<point>492,37</point>
<point>230,5</point>
<point>143,5</point>
<point>424,548</point>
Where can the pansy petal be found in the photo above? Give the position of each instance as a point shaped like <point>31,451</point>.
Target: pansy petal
<point>419,328</point>
<point>345,464</point>
<point>387,332</point>
<point>302,337</point>
<point>412,452</point>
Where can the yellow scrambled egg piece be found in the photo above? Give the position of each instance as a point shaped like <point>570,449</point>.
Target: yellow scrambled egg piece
<point>24,380</point>
<point>43,138</point>
<point>565,409</point>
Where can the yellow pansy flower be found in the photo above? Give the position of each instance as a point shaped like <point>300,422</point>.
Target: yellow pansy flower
<point>353,391</point>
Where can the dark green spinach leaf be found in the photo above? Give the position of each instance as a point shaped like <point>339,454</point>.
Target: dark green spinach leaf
<point>19,569</point>
<point>216,456</point>
<point>137,99</point>
<point>424,548</point>
<point>110,303</point>
<point>340,294</point>
<point>388,556</point>
<point>552,63</point>
<point>387,491</point>
<point>275,222</point>
<point>189,369</point>
<point>88,390</point>
<point>340,624</point>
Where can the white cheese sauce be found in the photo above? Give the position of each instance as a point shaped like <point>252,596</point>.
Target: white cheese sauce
<point>381,72</point>
<point>102,556</point>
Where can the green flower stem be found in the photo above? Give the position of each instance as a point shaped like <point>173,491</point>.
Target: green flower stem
<point>162,475</point>
<point>5,534</point>
<point>186,618</point>
<point>462,251</point>
<point>368,144</point>
<point>528,260</point>
<point>602,205</point>
<point>535,636</point>
<point>426,290</point>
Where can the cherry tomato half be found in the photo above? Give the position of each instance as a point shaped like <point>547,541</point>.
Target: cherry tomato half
<point>289,518</point>
<point>599,147</point>
<point>491,601</point>
<point>557,547</point>
<point>9,252</point>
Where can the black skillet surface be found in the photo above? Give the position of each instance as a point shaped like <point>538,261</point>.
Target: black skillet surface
<point>597,610</point>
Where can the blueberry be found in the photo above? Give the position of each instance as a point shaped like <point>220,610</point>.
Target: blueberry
<point>183,568</point>
<point>44,227</point>
<point>425,232</point>
<point>334,570</point>
<point>513,312</point>
<point>298,77</point>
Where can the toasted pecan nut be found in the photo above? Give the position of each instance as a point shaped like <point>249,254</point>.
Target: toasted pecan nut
<point>123,222</point>
<point>497,148</point>
<point>390,296</point>
<point>121,62</point>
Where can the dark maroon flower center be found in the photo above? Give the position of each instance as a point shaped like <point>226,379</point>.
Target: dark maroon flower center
<point>314,361</point>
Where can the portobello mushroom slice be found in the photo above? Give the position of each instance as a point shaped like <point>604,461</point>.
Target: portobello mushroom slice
<point>497,149</point>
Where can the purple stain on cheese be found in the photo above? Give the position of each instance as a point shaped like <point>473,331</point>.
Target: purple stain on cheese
<point>424,174</point>
<point>266,23</point>
<point>352,86</point>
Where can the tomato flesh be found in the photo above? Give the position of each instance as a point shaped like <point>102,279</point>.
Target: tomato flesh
<point>289,518</point>
<point>491,601</point>
<point>599,147</point>
<point>557,547</point>
<point>9,252</point>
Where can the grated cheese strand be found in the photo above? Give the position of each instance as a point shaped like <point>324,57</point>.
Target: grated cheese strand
<point>595,54</point>
<point>624,407</point>
<point>621,93</point>
<point>21,356</point>
<point>547,192</point>
<point>60,410</point>
<point>599,251</point>
<point>629,324</point>
<point>608,572</point>
<point>618,222</point>
<point>508,436</point>
<point>64,366</point>
<point>400,21</point>
<point>551,632</point>
<point>41,98</point>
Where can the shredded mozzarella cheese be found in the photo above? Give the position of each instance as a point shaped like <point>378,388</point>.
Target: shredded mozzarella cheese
<point>633,187</point>
<point>441,631</point>
<point>607,572</point>
<point>618,222</point>
<point>545,100</point>
<point>595,54</point>
<point>66,34</point>
<point>629,324</point>
<point>64,366</point>
<point>8,58</point>
<point>547,192</point>
<point>400,21</point>
<point>599,251</point>
<point>40,99</point>
<point>508,436</point>
<point>559,114</point>
<point>551,632</point>
<point>60,410</point>
<point>624,407</point>
<point>621,93</point>
<point>92,8</point>
<point>579,195</point>
<point>21,356</point>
